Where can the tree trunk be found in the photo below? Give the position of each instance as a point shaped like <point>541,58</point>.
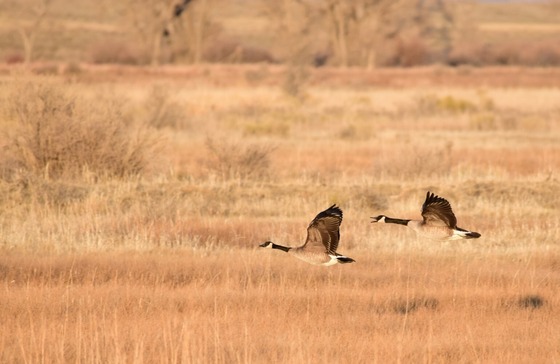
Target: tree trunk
<point>342,41</point>
<point>199,29</point>
<point>339,33</point>
<point>156,49</point>
<point>27,40</point>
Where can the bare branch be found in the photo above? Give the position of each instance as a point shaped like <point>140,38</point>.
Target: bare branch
<point>28,30</point>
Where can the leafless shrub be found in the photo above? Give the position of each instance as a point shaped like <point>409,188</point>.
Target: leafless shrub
<point>355,131</point>
<point>52,192</point>
<point>267,128</point>
<point>118,52</point>
<point>72,68</point>
<point>236,160</point>
<point>295,80</point>
<point>411,51</point>
<point>53,134</point>
<point>163,111</point>
<point>543,53</point>
<point>231,51</point>
<point>256,76</point>
<point>46,69</point>
<point>431,103</point>
<point>419,162</point>
<point>538,53</point>
<point>14,57</point>
<point>375,201</point>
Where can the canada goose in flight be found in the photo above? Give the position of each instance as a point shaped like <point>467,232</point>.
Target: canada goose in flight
<point>322,240</point>
<point>438,221</point>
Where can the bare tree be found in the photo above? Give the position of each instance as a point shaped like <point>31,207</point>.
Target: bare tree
<point>408,32</point>
<point>149,19</point>
<point>190,30</point>
<point>368,32</point>
<point>343,26</point>
<point>554,6</point>
<point>353,27</point>
<point>296,24</point>
<point>30,19</point>
<point>179,25</point>
<point>344,21</point>
<point>435,24</point>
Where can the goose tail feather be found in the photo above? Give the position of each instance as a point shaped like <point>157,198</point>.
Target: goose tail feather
<point>472,235</point>
<point>465,234</point>
<point>342,259</point>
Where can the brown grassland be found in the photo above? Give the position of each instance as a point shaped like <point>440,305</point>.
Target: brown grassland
<point>132,202</point>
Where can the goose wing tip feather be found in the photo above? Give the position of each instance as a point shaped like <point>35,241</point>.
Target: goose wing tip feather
<point>437,209</point>
<point>324,231</point>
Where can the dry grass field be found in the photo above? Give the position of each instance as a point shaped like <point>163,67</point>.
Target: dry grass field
<point>132,202</point>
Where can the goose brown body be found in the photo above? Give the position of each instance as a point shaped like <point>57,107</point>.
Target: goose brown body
<point>438,221</point>
<point>323,237</point>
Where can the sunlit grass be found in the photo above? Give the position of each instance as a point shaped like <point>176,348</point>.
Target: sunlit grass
<point>247,305</point>
<point>164,266</point>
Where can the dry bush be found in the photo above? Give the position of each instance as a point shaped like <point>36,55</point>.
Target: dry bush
<point>276,128</point>
<point>118,52</point>
<point>72,68</point>
<point>258,75</point>
<point>415,161</point>
<point>230,51</point>
<point>542,53</point>
<point>356,131</point>
<point>47,69</point>
<point>409,52</point>
<point>431,103</point>
<point>502,54</point>
<point>295,80</point>
<point>14,57</point>
<point>537,53</point>
<point>162,110</point>
<point>264,120</point>
<point>256,120</point>
<point>508,120</point>
<point>54,134</point>
<point>238,160</point>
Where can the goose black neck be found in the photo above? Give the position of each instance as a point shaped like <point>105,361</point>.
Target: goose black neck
<point>284,248</point>
<point>390,220</point>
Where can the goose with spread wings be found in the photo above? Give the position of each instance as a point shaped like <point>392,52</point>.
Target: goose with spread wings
<point>438,221</point>
<point>323,236</point>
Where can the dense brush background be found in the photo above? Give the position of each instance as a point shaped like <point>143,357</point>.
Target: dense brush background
<point>137,180</point>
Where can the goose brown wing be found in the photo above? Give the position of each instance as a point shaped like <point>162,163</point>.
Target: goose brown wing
<point>437,211</point>
<point>323,232</point>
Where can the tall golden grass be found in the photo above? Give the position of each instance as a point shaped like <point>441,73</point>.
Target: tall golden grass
<point>244,305</point>
<point>161,264</point>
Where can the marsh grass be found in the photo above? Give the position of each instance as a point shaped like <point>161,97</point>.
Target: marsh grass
<point>147,267</point>
<point>189,306</point>
<point>231,160</point>
<point>161,110</point>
